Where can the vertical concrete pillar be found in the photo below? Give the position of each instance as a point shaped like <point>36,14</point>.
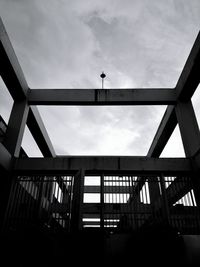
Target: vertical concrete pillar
<point>77,201</point>
<point>190,135</point>
<point>154,191</point>
<point>188,126</point>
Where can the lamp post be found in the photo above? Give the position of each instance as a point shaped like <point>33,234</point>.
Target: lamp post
<point>103,75</point>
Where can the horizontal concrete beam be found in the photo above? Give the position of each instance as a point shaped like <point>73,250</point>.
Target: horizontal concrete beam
<point>104,164</point>
<point>116,209</point>
<point>109,189</point>
<point>101,97</point>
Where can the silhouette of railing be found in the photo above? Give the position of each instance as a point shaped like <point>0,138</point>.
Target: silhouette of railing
<point>40,201</point>
<point>116,203</point>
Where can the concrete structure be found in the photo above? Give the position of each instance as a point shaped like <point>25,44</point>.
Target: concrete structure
<point>141,207</point>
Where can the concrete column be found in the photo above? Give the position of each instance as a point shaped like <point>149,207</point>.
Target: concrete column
<point>190,134</point>
<point>77,201</point>
<point>154,191</point>
<point>189,128</point>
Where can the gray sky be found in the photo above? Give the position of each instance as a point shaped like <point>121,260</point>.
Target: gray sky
<point>67,43</point>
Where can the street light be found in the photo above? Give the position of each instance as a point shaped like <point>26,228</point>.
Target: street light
<point>103,75</point>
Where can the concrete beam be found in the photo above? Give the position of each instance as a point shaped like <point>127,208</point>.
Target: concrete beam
<point>77,202</point>
<point>97,164</point>
<point>38,130</point>
<point>110,208</point>
<point>101,97</point>
<point>177,189</point>
<point>190,78</point>
<point>10,69</point>
<point>165,129</point>
<point>16,125</point>
<point>108,189</point>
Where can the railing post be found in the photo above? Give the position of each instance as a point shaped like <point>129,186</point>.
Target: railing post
<point>102,202</point>
<point>154,192</point>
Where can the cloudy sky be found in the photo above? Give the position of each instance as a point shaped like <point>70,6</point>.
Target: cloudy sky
<point>68,43</point>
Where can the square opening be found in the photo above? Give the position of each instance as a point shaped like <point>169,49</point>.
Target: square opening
<point>101,130</point>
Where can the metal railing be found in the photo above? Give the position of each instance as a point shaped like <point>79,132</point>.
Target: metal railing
<point>114,203</point>
<point>40,201</point>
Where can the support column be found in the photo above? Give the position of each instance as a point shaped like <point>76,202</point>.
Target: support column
<point>190,134</point>
<point>77,201</point>
<point>154,191</point>
<point>189,128</point>
<point>16,126</point>
<point>154,194</point>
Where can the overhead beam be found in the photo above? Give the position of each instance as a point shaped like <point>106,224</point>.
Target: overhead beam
<point>165,129</point>
<point>38,130</point>
<point>101,97</point>
<point>94,164</point>
<point>10,69</point>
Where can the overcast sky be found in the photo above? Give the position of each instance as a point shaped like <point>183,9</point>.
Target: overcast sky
<point>68,43</point>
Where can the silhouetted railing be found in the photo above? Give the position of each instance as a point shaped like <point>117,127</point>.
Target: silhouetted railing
<point>114,203</point>
<point>40,201</point>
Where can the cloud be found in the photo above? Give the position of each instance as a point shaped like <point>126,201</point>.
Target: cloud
<point>102,130</point>
<point>66,44</point>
